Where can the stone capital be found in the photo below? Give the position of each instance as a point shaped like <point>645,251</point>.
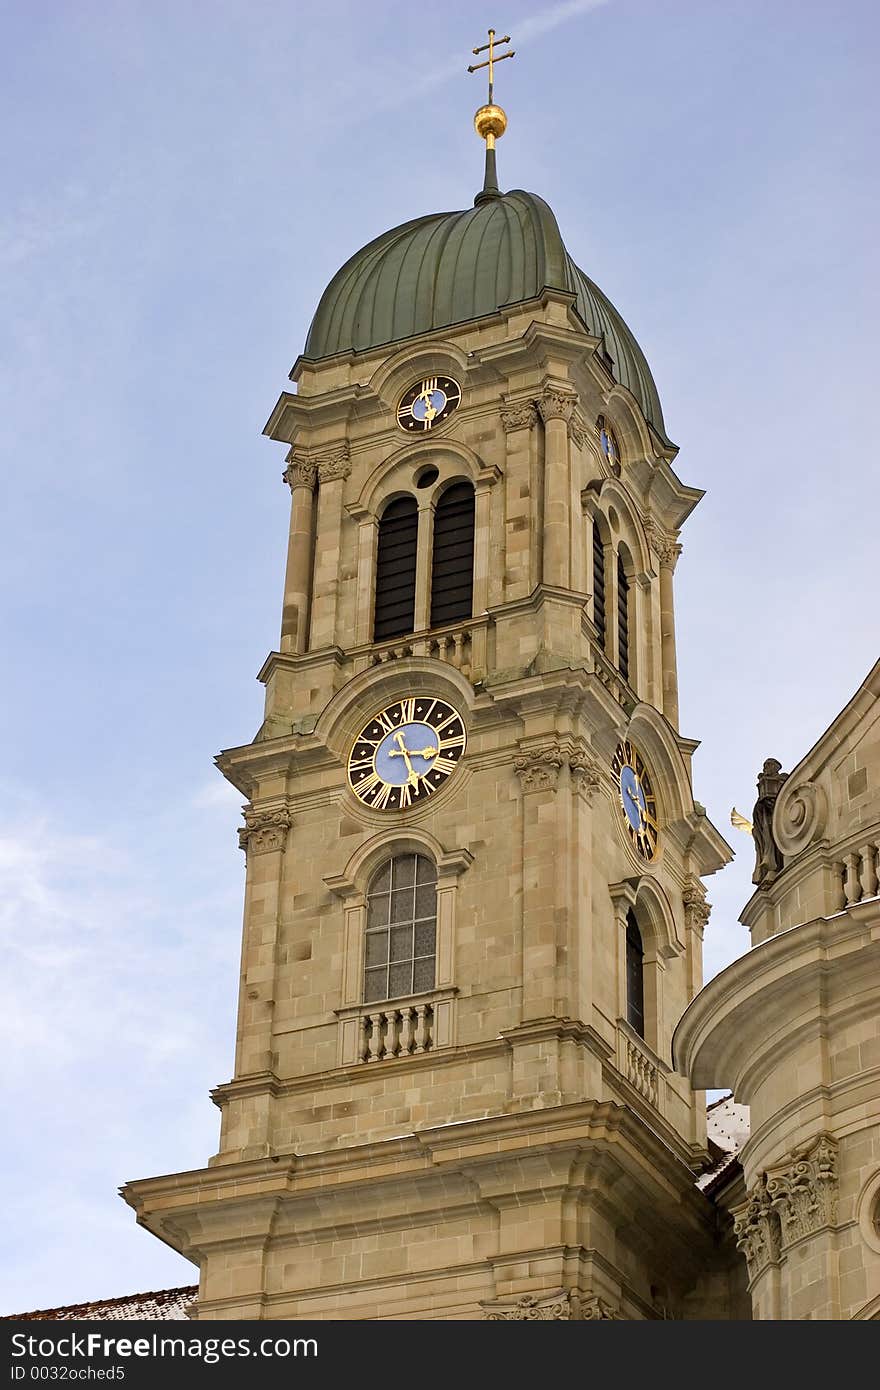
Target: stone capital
<point>555,1305</point>
<point>665,547</point>
<point>519,415</point>
<point>556,403</point>
<point>696,908</point>
<point>333,464</point>
<point>264,832</point>
<point>300,470</point>
<point>538,768</point>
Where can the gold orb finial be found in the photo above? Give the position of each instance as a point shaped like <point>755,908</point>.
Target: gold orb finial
<point>490,123</point>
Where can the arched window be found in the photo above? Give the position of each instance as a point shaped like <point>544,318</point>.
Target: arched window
<point>599,584</point>
<point>622,619</point>
<point>401,928</point>
<point>452,568</point>
<point>635,970</point>
<point>396,570</point>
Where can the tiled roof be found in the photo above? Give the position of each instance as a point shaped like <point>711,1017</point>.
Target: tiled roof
<point>727,1126</point>
<point>162,1305</point>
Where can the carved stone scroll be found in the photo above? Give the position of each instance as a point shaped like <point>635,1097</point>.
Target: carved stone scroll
<point>557,1305</point>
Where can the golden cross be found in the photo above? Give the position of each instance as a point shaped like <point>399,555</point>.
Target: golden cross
<point>491,60</point>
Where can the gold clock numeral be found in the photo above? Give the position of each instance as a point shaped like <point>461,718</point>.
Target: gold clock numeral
<point>409,711</point>
<point>367,785</point>
<point>405,795</point>
<point>380,800</point>
<point>443,765</point>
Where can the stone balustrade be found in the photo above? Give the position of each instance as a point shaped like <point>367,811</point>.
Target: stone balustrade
<point>860,873</point>
<point>462,646</point>
<point>641,1073</point>
<point>396,1032</point>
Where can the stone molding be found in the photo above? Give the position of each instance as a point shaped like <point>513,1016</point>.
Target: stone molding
<point>556,404</point>
<point>538,768</point>
<point>557,1305</point>
<point>665,547</point>
<point>790,1201</point>
<point>697,909</point>
<point>520,415</point>
<point>300,470</point>
<point>264,832</point>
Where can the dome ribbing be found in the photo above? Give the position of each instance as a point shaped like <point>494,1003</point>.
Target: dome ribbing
<point>451,267</point>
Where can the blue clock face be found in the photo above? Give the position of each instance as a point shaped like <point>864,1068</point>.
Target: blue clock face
<point>405,753</point>
<point>428,403</point>
<point>637,802</point>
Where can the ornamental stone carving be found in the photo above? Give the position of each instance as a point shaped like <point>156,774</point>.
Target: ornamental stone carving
<point>264,831</point>
<point>519,416</point>
<point>665,547</point>
<point>795,1199</point>
<point>558,1305</point>
<point>756,1230</point>
<point>696,907</point>
<point>556,404</point>
<point>538,768</point>
<point>799,817</point>
<point>334,464</point>
<point>804,1193</point>
<point>300,470</point>
<point>585,773</point>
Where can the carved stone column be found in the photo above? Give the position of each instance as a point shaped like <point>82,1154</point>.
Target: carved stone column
<point>556,405</point>
<point>667,552</point>
<point>299,475</point>
<point>333,468</point>
<point>263,837</point>
<point>520,559</point>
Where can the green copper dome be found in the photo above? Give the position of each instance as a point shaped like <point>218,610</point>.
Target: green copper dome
<point>450,267</point>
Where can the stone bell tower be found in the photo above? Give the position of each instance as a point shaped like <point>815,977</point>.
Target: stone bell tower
<point>473,909</point>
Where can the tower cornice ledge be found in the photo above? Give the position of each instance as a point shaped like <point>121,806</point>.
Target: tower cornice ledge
<point>723,1037</point>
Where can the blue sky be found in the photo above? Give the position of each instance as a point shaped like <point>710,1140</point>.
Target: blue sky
<point>180,180</point>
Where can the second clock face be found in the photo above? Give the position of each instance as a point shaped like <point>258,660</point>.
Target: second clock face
<point>405,753</point>
<point>637,801</point>
<point>428,402</point>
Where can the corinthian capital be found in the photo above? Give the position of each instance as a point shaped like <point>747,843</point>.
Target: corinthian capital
<point>557,403</point>
<point>696,908</point>
<point>300,470</point>
<point>264,831</point>
<point>664,546</point>
<point>333,463</point>
<point>520,415</point>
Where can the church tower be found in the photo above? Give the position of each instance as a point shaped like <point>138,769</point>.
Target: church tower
<point>473,909</point>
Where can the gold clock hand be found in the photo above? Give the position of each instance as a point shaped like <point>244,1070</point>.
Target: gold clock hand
<point>413,775</point>
<point>413,752</point>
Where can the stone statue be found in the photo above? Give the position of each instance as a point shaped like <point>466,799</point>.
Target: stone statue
<point>768,857</point>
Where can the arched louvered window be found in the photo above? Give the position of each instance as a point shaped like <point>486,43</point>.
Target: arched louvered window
<point>396,570</point>
<point>599,584</point>
<point>622,620</point>
<point>401,944</point>
<point>452,568</point>
<point>635,969</point>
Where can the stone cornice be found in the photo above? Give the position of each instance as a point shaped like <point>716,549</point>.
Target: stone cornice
<point>722,1038</point>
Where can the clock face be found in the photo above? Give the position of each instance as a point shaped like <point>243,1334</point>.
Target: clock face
<point>428,402</point>
<point>405,753</point>
<point>637,801</point>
